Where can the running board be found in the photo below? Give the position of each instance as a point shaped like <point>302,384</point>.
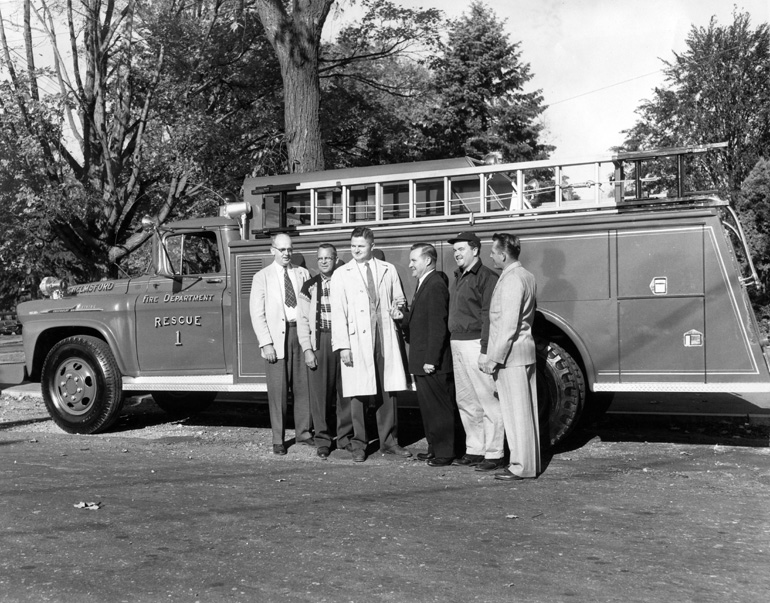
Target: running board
<point>198,383</point>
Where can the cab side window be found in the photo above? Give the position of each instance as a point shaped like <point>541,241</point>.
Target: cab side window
<point>194,253</point>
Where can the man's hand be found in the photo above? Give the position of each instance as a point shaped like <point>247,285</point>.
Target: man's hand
<point>268,352</point>
<point>310,359</point>
<point>396,313</point>
<point>347,357</point>
<point>487,366</point>
<point>428,368</point>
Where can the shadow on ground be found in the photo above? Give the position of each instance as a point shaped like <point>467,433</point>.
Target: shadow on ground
<point>139,413</point>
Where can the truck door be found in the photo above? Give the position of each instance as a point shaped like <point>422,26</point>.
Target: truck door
<point>661,305</point>
<point>179,321</point>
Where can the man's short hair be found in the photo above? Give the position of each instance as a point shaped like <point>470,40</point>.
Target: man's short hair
<point>328,246</point>
<point>274,236</point>
<point>508,243</point>
<point>363,231</point>
<point>427,250</point>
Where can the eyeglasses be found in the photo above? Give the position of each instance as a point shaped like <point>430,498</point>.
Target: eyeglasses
<point>288,250</point>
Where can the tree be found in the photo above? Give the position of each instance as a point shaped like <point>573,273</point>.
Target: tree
<point>716,90</point>
<point>156,104</point>
<point>294,31</point>
<point>753,205</point>
<point>479,82</point>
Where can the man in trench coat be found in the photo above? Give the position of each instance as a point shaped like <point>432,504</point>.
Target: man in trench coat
<point>363,293</point>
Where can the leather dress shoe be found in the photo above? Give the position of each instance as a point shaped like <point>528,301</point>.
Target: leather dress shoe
<point>440,461</point>
<point>359,456</point>
<point>279,449</point>
<point>490,464</point>
<point>469,460</point>
<point>397,450</point>
<point>307,442</point>
<point>425,456</point>
<point>323,452</point>
<point>507,476</point>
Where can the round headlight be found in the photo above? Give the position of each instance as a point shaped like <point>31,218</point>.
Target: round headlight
<point>52,287</point>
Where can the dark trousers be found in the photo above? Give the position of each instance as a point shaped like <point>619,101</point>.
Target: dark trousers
<point>325,388</point>
<point>434,395</point>
<point>351,414</point>
<point>289,370</point>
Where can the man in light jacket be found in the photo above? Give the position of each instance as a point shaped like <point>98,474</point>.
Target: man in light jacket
<point>274,313</point>
<point>315,338</point>
<point>363,294</point>
<point>511,357</point>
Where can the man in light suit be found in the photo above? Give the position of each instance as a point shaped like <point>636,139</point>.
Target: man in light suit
<point>274,313</point>
<point>430,358</point>
<point>511,357</point>
<point>363,293</point>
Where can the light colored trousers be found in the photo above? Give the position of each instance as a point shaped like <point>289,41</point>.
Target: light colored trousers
<point>517,388</point>
<point>477,402</point>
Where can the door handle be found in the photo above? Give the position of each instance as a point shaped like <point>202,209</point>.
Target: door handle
<point>214,280</point>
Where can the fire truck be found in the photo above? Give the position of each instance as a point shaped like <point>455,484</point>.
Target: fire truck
<point>642,283</point>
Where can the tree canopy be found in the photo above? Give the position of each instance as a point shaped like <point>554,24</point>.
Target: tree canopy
<point>716,91</point>
<point>161,107</point>
<point>480,104</point>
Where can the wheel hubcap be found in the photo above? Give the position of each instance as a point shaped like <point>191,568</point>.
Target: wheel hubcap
<point>75,388</point>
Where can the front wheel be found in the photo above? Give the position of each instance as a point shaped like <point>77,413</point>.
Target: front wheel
<point>82,385</point>
<point>561,392</point>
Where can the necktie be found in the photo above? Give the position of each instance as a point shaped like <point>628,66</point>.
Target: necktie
<point>370,283</point>
<point>291,299</point>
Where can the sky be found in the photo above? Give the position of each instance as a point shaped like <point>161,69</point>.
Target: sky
<point>596,60</point>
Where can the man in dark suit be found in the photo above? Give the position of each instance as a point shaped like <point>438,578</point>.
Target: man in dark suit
<point>430,358</point>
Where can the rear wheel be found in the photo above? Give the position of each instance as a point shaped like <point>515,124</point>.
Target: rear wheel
<point>561,392</point>
<point>82,385</point>
<point>183,404</point>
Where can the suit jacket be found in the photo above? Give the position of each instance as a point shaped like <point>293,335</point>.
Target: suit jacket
<point>307,317</point>
<point>352,329</point>
<point>511,315</point>
<point>266,306</point>
<point>425,326</point>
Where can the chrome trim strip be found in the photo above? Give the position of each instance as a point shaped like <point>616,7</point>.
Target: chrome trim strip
<point>203,383</point>
<point>727,388</point>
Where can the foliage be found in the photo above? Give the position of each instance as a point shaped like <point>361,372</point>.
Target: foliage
<point>753,205</point>
<point>161,105</point>
<point>716,91</point>
<point>480,105</point>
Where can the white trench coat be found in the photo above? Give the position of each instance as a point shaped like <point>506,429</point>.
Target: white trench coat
<point>352,328</point>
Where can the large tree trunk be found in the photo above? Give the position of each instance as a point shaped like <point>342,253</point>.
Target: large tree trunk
<point>296,38</point>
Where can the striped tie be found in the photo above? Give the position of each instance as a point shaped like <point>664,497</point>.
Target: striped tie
<point>291,298</point>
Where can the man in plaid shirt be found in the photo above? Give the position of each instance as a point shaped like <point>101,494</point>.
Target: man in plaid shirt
<point>314,330</point>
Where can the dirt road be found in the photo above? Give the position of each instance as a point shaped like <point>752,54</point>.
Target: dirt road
<point>199,510</point>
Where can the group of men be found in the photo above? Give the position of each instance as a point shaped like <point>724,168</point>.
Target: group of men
<point>337,339</point>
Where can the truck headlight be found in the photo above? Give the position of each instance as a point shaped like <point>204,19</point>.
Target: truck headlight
<point>53,287</point>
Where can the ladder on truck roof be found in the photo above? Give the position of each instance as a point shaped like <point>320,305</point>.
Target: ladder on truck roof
<point>466,189</point>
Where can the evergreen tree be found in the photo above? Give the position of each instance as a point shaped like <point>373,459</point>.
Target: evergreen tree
<point>479,82</point>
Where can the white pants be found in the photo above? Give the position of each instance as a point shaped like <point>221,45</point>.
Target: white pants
<point>517,387</point>
<point>478,404</point>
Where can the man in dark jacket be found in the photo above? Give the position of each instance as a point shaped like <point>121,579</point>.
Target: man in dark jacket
<point>430,359</point>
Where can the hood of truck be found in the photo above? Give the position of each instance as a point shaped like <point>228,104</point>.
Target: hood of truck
<point>85,297</point>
